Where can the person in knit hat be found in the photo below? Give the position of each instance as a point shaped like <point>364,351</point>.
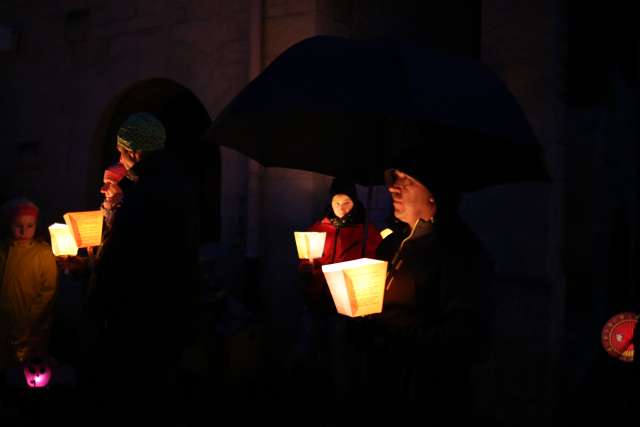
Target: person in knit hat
<point>29,285</point>
<point>141,133</point>
<point>145,274</point>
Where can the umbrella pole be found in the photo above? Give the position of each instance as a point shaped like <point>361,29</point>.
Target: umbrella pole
<point>365,225</point>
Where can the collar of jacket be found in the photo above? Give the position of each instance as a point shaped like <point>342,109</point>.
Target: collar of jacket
<point>132,175</point>
<point>342,222</point>
<point>421,228</point>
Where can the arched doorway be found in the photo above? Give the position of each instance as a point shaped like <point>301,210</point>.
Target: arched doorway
<point>185,120</point>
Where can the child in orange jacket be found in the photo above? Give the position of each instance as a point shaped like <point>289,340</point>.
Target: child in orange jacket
<point>28,288</point>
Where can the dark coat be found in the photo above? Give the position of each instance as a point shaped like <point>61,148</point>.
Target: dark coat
<point>147,267</point>
<point>146,272</point>
<point>435,323</point>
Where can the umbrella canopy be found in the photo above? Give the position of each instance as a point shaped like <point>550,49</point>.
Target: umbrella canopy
<point>345,107</point>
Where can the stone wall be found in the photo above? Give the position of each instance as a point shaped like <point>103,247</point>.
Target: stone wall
<point>75,57</point>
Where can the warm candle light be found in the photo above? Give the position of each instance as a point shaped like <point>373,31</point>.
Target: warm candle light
<point>357,287</point>
<point>62,241</point>
<point>310,244</point>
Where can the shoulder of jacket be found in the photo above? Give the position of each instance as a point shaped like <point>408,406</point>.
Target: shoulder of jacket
<point>43,248</point>
<point>372,227</point>
<point>41,244</point>
<point>323,223</point>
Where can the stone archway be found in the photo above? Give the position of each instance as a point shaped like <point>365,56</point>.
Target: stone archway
<point>185,120</point>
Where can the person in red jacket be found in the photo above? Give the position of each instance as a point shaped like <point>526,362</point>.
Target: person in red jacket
<point>349,236</point>
<point>326,356</point>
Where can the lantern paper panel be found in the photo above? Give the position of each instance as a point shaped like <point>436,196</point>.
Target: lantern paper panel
<point>62,241</point>
<point>86,227</point>
<point>310,244</point>
<point>357,286</point>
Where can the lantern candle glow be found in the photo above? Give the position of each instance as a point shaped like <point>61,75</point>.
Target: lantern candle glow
<point>310,244</point>
<point>357,286</point>
<point>62,241</point>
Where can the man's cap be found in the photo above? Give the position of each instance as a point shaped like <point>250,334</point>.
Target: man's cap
<point>420,163</point>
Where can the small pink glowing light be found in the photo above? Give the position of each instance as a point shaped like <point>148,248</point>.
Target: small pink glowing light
<point>37,373</point>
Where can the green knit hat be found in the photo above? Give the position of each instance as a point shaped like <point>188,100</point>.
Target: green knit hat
<point>142,132</point>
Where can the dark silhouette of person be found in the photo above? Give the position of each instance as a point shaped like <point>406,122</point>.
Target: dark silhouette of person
<point>146,278</point>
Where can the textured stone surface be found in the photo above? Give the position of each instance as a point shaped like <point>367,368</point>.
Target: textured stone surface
<point>279,8</point>
<point>67,82</point>
<point>283,31</point>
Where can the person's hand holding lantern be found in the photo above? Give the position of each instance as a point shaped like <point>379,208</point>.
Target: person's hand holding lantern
<point>73,265</point>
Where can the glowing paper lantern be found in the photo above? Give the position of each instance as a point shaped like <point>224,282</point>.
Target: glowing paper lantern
<point>86,227</point>
<point>310,244</point>
<point>357,287</point>
<point>37,372</point>
<point>62,241</point>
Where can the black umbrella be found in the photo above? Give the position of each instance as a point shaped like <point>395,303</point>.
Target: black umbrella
<point>338,106</point>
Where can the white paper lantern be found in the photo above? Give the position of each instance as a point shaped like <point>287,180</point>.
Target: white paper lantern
<point>310,244</point>
<point>357,287</point>
<point>62,241</point>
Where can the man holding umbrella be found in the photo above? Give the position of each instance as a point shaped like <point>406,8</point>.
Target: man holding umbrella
<point>435,324</point>
<point>461,130</point>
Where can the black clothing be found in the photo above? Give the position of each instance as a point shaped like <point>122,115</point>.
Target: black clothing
<point>435,322</point>
<point>146,281</point>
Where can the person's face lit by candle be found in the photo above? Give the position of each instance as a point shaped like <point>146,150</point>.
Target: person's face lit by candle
<point>341,205</point>
<point>112,193</point>
<point>411,199</point>
<point>23,227</point>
